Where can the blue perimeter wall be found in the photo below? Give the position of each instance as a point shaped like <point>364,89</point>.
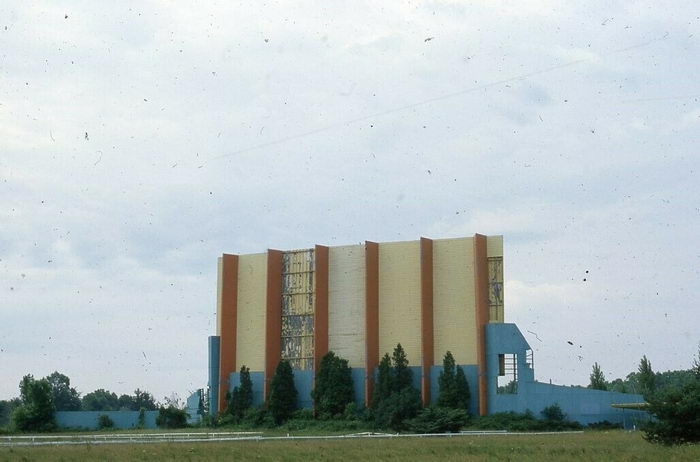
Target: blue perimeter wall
<point>88,419</point>
<point>192,408</point>
<point>304,382</point>
<point>581,404</point>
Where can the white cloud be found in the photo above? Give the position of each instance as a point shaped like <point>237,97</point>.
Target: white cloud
<point>360,129</point>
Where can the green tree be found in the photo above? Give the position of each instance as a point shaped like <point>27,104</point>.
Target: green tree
<point>65,398</point>
<point>241,398</point>
<point>646,377</point>
<point>400,406</point>
<point>463,391</point>
<point>283,393</point>
<point>696,365</point>
<point>232,405</point>
<point>140,399</point>
<point>448,383</point>
<point>671,379</point>
<point>677,415</point>
<point>402,374</point>
<point>100,400</point>
<point>126,403</point>
<point>6,408</point>
<point>403,401</point>
<point>618,385</point>
<point>171,417</point>
<point>553,413</point>
<point>509,388</point>
<point>104,422</point>
<point>36,413</point>
<point>246,389</point>
<point>662,380</point>
<point>597,378</point>
<point>333,389</point>
<point>676,409</point>
<point>454,388</point>
<point>383,386</point>
<point>438,420</point>
<point>143,399</point>
<point>141,422</point>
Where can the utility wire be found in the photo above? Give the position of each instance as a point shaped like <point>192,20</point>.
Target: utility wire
<point>430,100</point>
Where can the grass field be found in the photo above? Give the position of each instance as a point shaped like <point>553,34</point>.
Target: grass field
<point>594,446</point>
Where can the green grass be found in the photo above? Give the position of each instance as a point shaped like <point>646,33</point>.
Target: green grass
<point>594,446</point>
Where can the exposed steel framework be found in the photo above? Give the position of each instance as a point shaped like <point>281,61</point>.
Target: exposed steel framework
<point>298,301</point>
<point>273,316</point>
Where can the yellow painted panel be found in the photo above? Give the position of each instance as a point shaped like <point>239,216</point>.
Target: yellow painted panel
<point>494,246</point>
<point>346,303</point>
<point>252,292</point>
<point>399,299</point>
<point>454,309</point>
<point>219,287</point>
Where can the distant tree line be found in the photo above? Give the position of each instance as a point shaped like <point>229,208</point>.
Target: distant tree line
<point>673,399</point>
<point>39,399</point>
<point>643,381</point>
<point>104,400</point>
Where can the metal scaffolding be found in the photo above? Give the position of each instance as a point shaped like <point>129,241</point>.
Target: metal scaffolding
<point>298,308</point>
<point>496,289</point>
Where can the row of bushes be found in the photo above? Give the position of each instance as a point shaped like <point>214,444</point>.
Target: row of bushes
<point>428,420</point>
<point>396,405</point>
<point>168,417</point>
<point>553,419</point>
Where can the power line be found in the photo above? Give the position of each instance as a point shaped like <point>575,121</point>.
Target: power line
<point>429,101</point>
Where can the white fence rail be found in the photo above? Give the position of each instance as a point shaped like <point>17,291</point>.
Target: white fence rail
<point>200,437</point>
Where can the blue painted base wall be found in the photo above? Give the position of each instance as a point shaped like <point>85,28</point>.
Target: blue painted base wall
<point>258,379</point>
<point>304,383</point>
<point>580,404</point>
<point>88,419</point>
<point>471,371</point>
<point>358,385</point>
<point>304,380</point>
<point>192,408</point>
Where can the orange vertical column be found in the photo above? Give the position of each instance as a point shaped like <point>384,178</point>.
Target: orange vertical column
<point>482,315</point>
<point>229,328</point>
<point>371,316</point>
<point>273,316</point>
<point>426,315</point>
<point>320,304</point>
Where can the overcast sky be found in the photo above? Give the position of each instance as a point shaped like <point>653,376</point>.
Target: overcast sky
<point>140,140</point>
